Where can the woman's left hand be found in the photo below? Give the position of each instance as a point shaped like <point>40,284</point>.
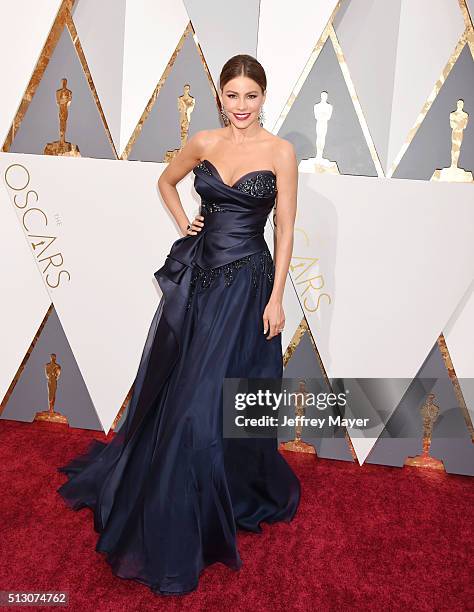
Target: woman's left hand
<point>273,319</point>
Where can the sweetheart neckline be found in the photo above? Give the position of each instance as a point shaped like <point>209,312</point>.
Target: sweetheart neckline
<point>238,180</point>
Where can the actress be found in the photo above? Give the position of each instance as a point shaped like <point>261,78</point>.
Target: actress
<point>170,491</point>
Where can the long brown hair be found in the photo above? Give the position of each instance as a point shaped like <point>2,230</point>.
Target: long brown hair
<point>243,65</point>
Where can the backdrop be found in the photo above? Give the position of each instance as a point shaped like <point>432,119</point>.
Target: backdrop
<point>377,100</point>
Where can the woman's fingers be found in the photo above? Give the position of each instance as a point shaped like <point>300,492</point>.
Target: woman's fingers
<point>265,323</point>
<point>275,329</point>
<point>271,327</point>
<point>196,225</point>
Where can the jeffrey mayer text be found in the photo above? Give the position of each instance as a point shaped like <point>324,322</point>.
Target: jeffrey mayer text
<point>270,421</point>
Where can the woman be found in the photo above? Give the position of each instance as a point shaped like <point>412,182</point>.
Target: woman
<point>169,491</point>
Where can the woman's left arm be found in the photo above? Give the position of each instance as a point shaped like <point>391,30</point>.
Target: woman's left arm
<point>286,167</point>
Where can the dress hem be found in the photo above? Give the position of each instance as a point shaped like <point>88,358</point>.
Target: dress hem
<point>232,565</point>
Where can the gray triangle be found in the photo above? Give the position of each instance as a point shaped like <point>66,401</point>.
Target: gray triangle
<point>304,361</point>
<point>430,148</point>
<point>40,125</point>
<point>403,434</point>
<point>345,141</point>
<point>161,130</point>
<point>470,6</point>
<point>30,394</point>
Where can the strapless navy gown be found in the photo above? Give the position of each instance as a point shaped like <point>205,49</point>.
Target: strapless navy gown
<point>169,491</point>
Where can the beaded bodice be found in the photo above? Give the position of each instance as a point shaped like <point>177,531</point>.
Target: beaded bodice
<point>252,195</point>
<point>257,183</point>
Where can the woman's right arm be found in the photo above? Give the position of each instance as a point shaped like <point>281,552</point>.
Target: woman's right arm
<point>189,156</point>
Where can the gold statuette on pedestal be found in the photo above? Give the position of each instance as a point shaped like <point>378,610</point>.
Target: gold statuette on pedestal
<point>430,412</point>
<point>458,121</point>
<point>186,104</point>
<point>297,445</point>
<point>53,371</point>
<point>61,146</point>
<point>319,164</point>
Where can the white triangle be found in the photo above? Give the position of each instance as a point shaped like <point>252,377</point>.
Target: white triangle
<point>218,37</point>
<point>25,300</point>
<point>101,30</point>
<point>153,29</point>
<point>127,48</point>
<point>287,34</point>
<point>368,35</point>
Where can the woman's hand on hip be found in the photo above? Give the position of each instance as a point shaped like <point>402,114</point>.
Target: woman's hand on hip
<point>196,226</point>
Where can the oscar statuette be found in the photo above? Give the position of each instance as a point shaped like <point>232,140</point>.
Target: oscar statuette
<point>53,371</point>
<point>458,121</point>
<point>61,146</point>
<point>430,413</point>
<point>297,444</point>
<point>319,164</point>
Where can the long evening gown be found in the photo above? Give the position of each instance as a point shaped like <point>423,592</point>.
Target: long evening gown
<point>169,491</point>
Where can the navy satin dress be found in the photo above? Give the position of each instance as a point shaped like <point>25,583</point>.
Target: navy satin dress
<point>169,492</point>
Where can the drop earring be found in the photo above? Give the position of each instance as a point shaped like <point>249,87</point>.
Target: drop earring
<point>261,116</point>
<point>225,118</point>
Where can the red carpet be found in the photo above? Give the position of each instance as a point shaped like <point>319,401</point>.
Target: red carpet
<point>364,538</point>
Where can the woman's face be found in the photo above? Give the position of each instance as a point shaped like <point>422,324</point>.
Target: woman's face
<point>242,99</point>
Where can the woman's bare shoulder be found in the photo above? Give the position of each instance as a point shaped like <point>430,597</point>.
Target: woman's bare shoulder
<point>282,147</point>
<point>283,153</point>
<point>207,138</point>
